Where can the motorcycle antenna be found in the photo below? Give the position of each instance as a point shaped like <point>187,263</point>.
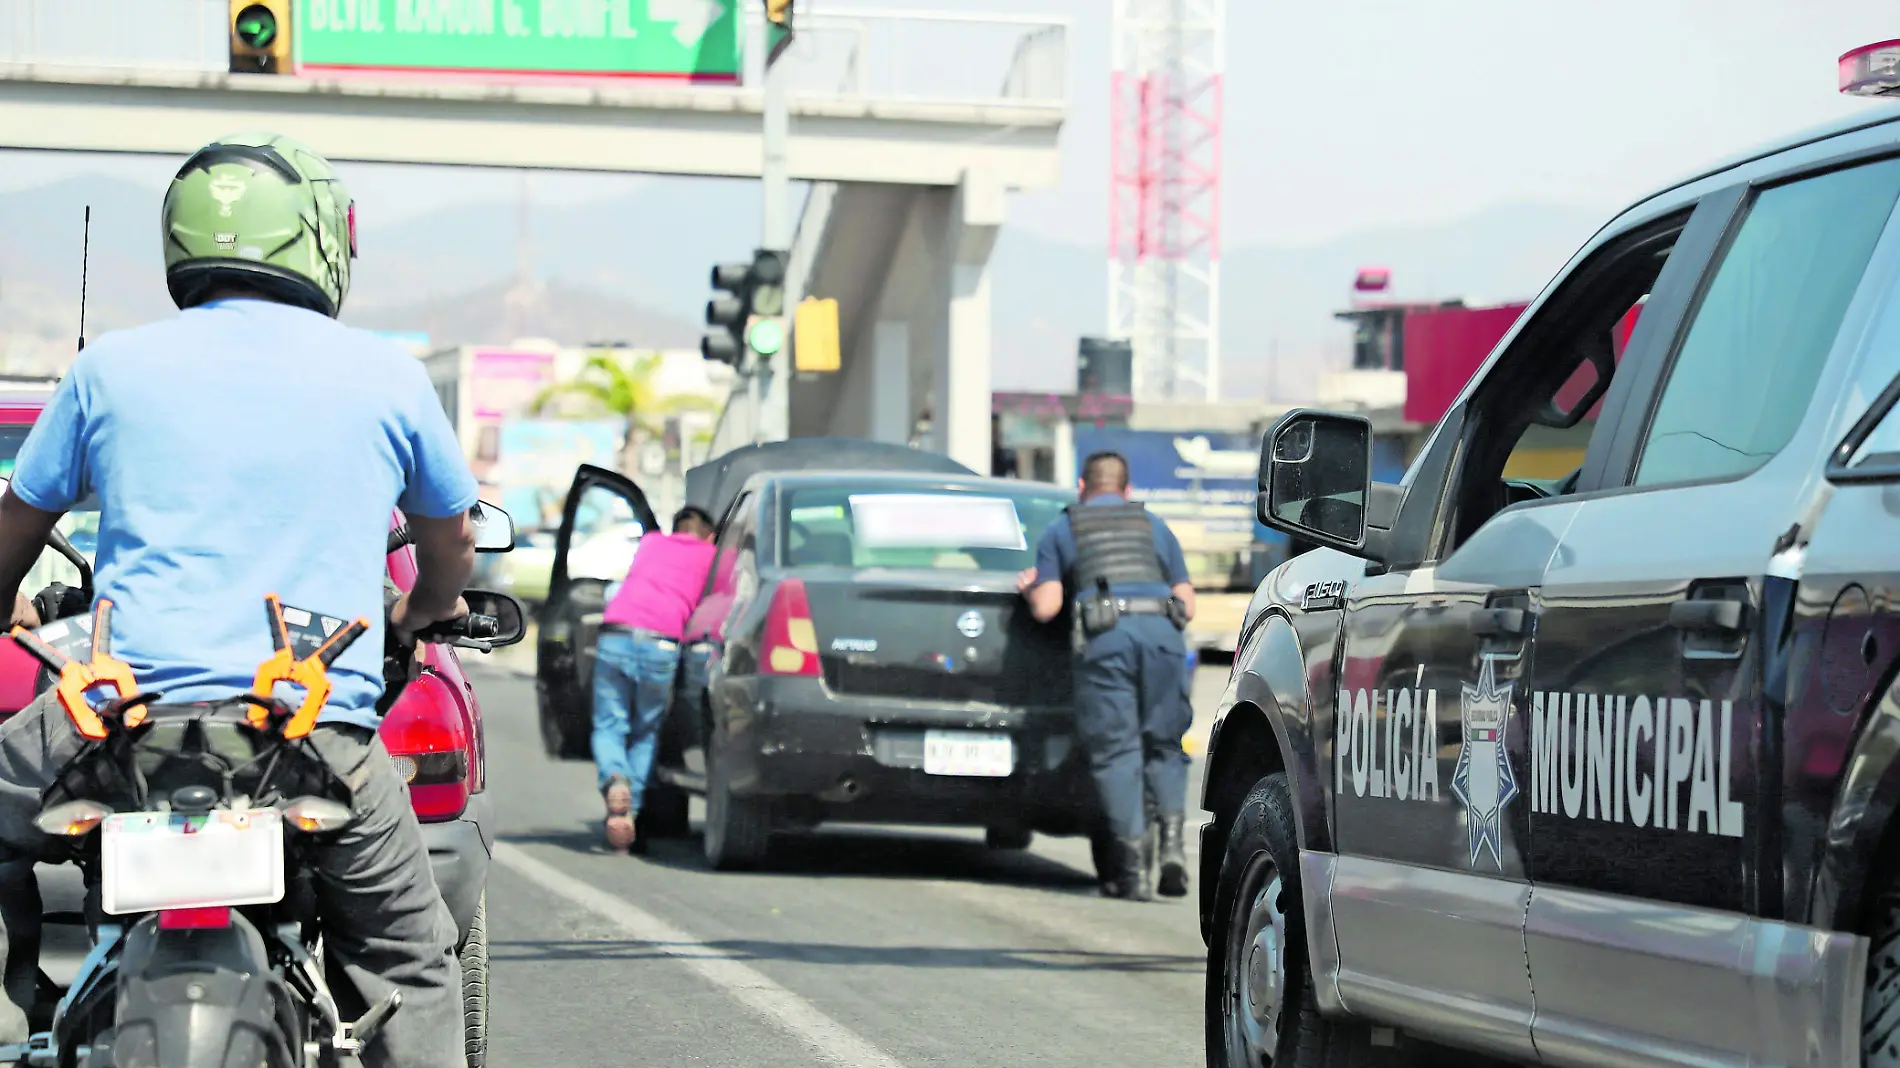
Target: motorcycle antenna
<point>85,251</point>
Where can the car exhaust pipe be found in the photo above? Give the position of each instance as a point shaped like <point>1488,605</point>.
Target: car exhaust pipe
<point>847,789</point>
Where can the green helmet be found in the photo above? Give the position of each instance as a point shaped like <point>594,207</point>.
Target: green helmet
<point>259,212</point>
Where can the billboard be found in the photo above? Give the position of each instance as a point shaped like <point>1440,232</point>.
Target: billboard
<point>503,383</point>
<point>674,40</point>
<point>1207,476</point>
<point>537,460</point>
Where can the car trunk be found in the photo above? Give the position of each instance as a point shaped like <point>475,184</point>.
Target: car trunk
<point>955,636</point>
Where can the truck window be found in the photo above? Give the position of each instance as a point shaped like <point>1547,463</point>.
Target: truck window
<point>1748,364</point>
<point>1516,448</point>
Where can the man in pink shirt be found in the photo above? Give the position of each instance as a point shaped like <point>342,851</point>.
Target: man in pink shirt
<point>636,658</point>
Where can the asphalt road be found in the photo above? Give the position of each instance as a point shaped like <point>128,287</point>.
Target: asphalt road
<point>861,947</point>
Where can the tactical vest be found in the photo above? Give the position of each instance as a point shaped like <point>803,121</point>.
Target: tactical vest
<point>1114,542</point>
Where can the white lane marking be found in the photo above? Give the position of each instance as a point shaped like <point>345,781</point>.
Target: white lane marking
<point>830,1039</point>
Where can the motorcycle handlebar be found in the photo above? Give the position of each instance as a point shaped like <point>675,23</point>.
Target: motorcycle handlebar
<point>473,625</point>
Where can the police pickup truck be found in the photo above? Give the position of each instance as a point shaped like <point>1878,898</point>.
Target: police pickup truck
<point>1600,769</point>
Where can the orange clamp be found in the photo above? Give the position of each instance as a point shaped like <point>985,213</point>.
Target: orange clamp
<point>76,677</point>
<point>308,673</point>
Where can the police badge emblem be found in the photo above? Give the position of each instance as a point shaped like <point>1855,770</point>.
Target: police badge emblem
<point>1483,780</point>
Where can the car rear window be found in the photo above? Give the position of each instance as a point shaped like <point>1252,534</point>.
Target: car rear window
<point>900,526</point>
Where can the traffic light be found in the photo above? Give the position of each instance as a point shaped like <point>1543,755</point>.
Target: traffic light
<point>726,311</point>
<point>260,37</point>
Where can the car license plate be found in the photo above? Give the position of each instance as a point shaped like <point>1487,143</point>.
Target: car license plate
<point>153,861</point>
<point>968,753</point>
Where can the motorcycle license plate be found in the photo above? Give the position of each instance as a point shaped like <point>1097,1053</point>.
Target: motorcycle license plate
<point>153,861</point>
<point>972,753</point>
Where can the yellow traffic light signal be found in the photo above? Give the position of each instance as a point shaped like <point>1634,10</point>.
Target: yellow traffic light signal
<point>779,12</point>
<point>815,335</point>
<point>260,37</point>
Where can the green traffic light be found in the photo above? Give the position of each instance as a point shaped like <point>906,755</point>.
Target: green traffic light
<point>256,26</point>
<point>766,337</point>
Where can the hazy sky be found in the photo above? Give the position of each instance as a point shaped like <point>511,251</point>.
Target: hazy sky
<point>1348,114</point>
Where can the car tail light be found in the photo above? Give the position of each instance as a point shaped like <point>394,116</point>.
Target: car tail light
<point>207,919</point>
<point>428,744</point>
<point>791,642</point>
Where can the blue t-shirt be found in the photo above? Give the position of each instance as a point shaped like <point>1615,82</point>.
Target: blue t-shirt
<point>241,449</point>
<point>1055,555</point>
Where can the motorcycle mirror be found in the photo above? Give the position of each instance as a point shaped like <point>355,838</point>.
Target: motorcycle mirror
<point>494,530</point>
<point>510,616</point>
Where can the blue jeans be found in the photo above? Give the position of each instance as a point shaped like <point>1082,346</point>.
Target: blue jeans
<point>633,678</point>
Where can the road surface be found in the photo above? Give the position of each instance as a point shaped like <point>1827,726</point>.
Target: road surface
<point>862,947</point>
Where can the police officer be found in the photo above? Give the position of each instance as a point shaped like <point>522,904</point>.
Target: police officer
<point>1122,572</point>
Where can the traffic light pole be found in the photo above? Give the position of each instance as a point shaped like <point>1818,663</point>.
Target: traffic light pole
<point>778,228</point>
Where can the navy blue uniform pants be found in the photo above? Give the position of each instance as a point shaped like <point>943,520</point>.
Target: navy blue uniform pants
<point>1131,712</point>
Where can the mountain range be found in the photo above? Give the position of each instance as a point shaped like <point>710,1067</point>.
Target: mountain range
<point>634,269</point>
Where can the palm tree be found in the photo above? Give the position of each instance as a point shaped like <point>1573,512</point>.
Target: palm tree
<point>626,389</point>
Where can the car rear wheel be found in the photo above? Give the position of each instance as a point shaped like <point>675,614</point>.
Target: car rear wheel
<point>1880,1004</point>
<point>738,829</point>
<point>474,961</point>
<point>1261,1009</point>
<point>1008,836</point>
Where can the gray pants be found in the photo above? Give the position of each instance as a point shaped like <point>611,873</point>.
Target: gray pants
<point>385,924</point>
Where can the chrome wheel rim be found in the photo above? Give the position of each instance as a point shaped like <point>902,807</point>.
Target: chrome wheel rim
<point>1256,970</point>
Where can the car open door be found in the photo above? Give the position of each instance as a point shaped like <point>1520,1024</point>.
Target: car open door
<point>601,525</point>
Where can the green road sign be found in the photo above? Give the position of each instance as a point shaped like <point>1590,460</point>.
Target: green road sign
<point>690,40</point>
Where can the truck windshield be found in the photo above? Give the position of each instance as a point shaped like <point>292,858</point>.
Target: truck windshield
<point>899,525</point>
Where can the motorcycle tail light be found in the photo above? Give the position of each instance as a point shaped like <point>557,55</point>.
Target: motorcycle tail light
<point>313,815</point>
<point>213,918</point>
<point>428,744</point>
<point>72,819</point>
<point>791,641</point>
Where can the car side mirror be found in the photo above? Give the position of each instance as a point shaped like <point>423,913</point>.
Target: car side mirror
<point>1316,476</point>
<point>1881,465</point>
<point>511,618</point>
<point>494,530</point>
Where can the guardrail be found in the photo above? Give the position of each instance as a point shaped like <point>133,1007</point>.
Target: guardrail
<point>847,53</point>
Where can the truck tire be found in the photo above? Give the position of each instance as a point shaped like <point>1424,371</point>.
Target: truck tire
<point>1261,1008</point>
<point>1880,1005</point>
<point>474,961</point>
<point>738,829</point>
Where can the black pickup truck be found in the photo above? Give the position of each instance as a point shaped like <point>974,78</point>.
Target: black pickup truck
<point>1596,769</point>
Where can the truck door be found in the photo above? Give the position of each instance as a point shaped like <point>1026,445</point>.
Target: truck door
<point>1653,794</point>
<point>601,524</point>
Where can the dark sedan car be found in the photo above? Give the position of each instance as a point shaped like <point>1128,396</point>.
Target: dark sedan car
<point>862,655</point>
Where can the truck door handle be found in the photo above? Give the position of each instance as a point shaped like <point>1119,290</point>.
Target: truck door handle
<point>1498,622</point>
<point>1720,616</point>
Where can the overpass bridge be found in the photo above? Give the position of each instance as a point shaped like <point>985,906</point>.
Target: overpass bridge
<point>911,158</point>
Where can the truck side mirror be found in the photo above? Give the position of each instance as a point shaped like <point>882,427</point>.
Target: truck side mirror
<point>1316,476</point>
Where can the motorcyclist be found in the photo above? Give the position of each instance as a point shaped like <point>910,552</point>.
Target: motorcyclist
<point>254,445</point>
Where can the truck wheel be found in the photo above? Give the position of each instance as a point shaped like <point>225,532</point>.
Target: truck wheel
<point>474,961</point>
<point>1261,1008</point>
<point>738,829</point>
<point>1880,1004</point>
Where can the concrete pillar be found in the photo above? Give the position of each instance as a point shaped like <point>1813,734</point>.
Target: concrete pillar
<point>891,417</point>
<point>1065,462</point>
<point>960,416</point>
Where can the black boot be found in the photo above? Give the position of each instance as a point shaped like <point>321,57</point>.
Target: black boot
<point>1174,865</point>
<point>1131,884</point>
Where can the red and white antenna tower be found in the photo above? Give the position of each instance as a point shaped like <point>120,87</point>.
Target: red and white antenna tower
<point>1164,193</point>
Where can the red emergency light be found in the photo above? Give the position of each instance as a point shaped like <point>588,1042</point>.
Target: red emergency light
<point>1372,280</point>
<point>1872,70</point>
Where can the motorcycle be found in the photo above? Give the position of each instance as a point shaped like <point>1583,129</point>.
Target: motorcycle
<point>193,825</point>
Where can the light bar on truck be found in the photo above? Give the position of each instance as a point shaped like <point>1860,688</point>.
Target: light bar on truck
<point>1872,70</point>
